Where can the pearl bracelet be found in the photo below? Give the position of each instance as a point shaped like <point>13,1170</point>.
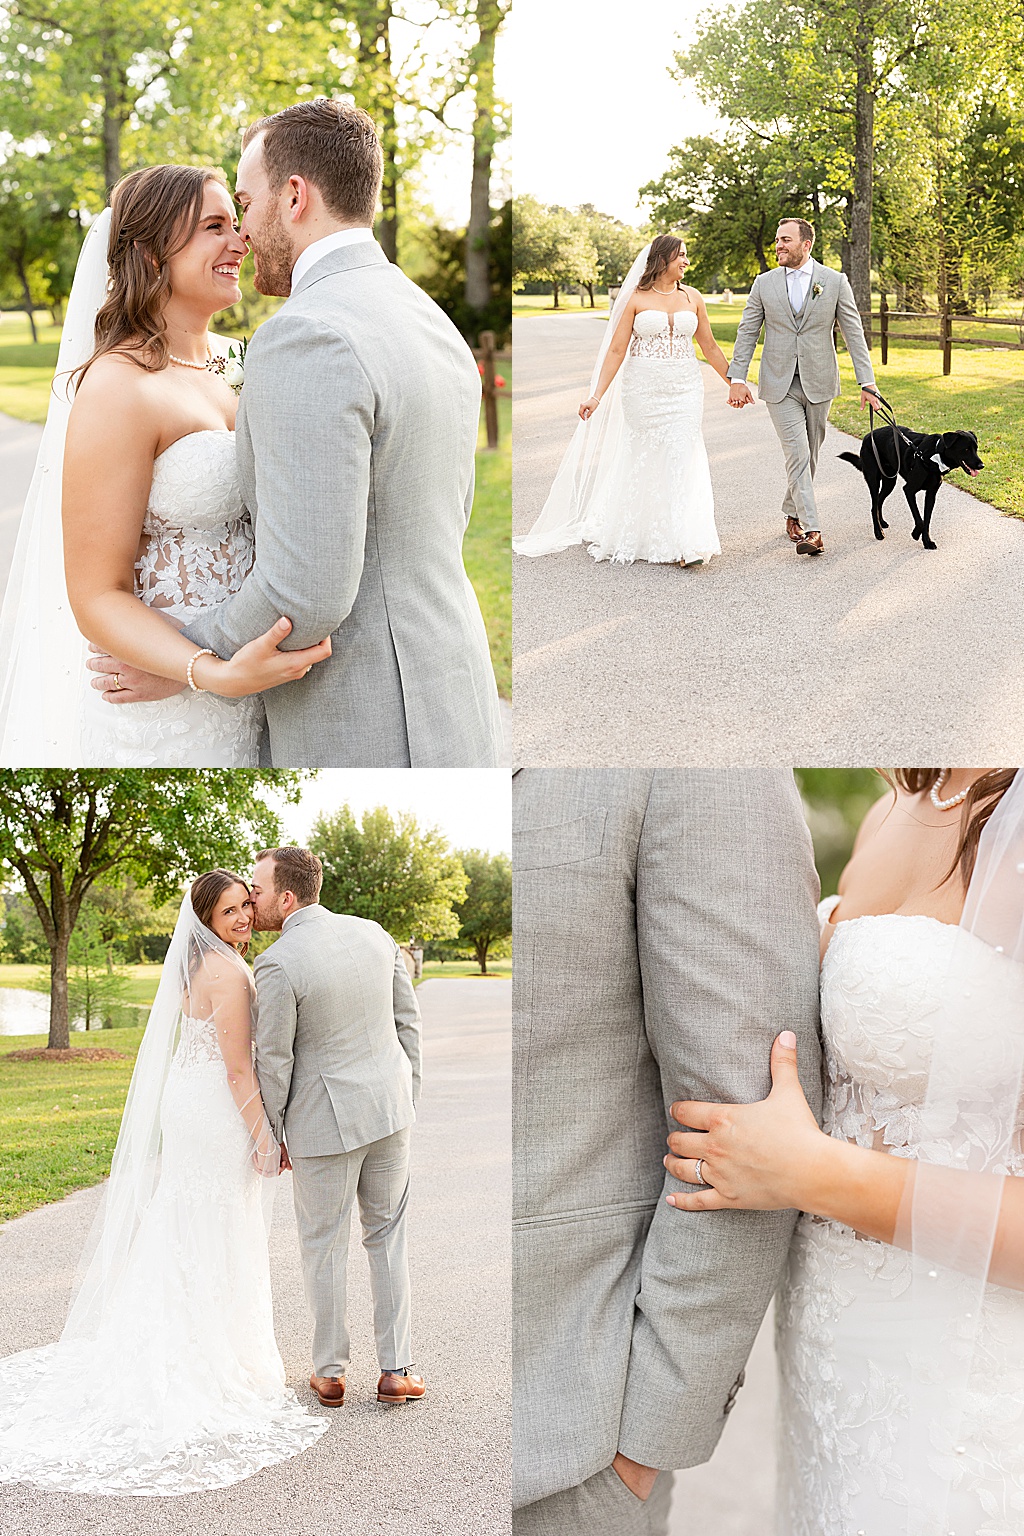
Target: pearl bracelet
<point>188,671</point>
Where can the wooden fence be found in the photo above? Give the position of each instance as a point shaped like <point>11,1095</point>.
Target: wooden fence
<point>488,355</point>
<point>944,337</point>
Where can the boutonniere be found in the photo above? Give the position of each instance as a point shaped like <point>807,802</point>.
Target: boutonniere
<point>816,290</point>
<point>232,367</point>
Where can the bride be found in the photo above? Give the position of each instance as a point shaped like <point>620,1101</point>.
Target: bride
<point>137,478</point>
<point>635,482</point>
<point>167,1378</point>
<point>901,1320</point>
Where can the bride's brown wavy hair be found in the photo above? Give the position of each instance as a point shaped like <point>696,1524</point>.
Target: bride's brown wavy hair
<point>153,215</point>
<point>981,800</point>
<point>664,248</point>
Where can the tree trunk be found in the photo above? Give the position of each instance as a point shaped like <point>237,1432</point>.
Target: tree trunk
<point>590,289</point>
<point>23,279</point>
<point>378,86</point>
<point>482,946</point>
<point>816,205</point>
<point>864,152</point>
<point>478,244</point>
<point>554,287</point>
<point>113,105</point>
<point>59,1020</point>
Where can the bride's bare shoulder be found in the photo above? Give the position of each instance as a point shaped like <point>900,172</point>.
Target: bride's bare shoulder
<point>116,394</point>
<point>874,818</point>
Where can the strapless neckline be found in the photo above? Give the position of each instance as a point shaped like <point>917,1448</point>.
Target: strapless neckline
<point>187,437</point>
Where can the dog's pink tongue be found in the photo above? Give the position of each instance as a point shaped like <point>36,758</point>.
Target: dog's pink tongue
<point>973,472</point>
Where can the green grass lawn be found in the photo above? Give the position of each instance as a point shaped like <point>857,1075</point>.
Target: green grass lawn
<point>142,982</point>
<point>543,304</point>
<point>59,1120</point>
<point>488,544</point>
<point>449,968</point>
<point>25,374</point>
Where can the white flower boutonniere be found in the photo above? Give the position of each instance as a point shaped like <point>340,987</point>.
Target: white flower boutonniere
<point>232,368</point>
<point>816,290</point>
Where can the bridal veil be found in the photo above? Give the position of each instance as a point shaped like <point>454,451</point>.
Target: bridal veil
<point>42,653</point>
<point>592,454</point>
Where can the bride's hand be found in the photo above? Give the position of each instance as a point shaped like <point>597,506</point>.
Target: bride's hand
<point>588,407</point>
<point>259,665</point>
<point>755,1156</point>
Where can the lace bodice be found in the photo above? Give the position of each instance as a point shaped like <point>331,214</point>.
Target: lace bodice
<point>197,1044</point>
<point>656,334</point>
<point>883,982</point>
<point>197,537</point>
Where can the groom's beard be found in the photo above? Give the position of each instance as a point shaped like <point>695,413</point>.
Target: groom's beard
<point>273,258</point>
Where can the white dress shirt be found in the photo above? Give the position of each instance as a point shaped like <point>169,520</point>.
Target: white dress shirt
<point>319,248</point>
<point>798,280</point>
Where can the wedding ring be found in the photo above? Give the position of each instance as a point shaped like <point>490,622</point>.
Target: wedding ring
<point>117,683</point>
<point>697,1170</point>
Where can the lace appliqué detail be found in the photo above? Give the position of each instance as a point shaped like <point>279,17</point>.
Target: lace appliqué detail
<point>659,335</point>
<point>198,550</point>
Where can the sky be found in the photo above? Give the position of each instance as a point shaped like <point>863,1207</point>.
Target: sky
<point>472,807</point>
<point>595,109</point>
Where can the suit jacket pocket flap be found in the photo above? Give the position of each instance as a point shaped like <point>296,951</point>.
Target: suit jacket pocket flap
<point>567,842</point>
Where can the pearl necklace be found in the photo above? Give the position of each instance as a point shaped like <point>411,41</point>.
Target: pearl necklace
<point>183,362</point>
<point>946,805</point>
<point>666,291</point>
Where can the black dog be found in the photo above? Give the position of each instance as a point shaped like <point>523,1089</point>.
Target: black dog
<point>920,459</point>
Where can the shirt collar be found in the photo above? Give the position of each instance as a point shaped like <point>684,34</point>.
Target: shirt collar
<point>804,271</point>
<point>319,248</point>
<point>313,907</point>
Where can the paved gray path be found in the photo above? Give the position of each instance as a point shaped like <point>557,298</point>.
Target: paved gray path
<point>869,653</point>
<point>436,1468</point>
<point>19,441</point>
<point>733,1493</point>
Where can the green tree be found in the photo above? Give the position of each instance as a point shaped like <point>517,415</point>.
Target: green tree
<point>615,245</point>
<point>62,830</point>
<point>485,912</point>
<point>96,986</point>
<point>390,869</point>
<point>22,941</point>
<point>551,245</point>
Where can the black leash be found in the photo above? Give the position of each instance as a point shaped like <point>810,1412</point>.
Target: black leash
<point>888,416</point>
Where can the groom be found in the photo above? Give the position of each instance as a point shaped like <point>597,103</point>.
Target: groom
<point>798,305</point>
<point>665,934</point>
<point>338,1059</point>
<point>356,439</point>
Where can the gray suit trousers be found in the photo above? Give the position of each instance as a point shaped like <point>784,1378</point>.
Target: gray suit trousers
<point>325,1190</point>
<point>602,1506</point>
<point>800,427</point>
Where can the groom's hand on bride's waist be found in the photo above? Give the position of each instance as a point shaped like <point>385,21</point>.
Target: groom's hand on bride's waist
<point>121,684</point>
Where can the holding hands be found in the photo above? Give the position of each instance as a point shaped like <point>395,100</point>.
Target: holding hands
<point>739,394</point>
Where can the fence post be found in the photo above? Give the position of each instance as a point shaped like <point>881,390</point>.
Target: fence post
<point>883,319</point>
<point>947,339</point>
<point>490,393</point>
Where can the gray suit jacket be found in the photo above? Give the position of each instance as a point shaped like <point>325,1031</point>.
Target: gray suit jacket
<point>665,933</point>
<point>337,1034</point>
<point>356,438</point>
<point>805,340</point>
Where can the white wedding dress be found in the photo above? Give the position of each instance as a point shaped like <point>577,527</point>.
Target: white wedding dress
<point>198,549</point>
<point>845,1309</point>
<point>656,503</point>
<point>182,1387</point>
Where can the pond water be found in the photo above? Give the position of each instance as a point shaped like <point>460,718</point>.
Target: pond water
<point>28,1013</point>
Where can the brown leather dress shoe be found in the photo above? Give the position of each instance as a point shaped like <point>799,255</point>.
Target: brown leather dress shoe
<point>395,1388</point>
<point>329,1389</point>
<point>794,529</point>
<point>811,544</point>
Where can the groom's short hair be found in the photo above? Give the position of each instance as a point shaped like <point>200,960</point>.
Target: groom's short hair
<point>296,870</point>
<point>331,144</point>
<point>806,230</point>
